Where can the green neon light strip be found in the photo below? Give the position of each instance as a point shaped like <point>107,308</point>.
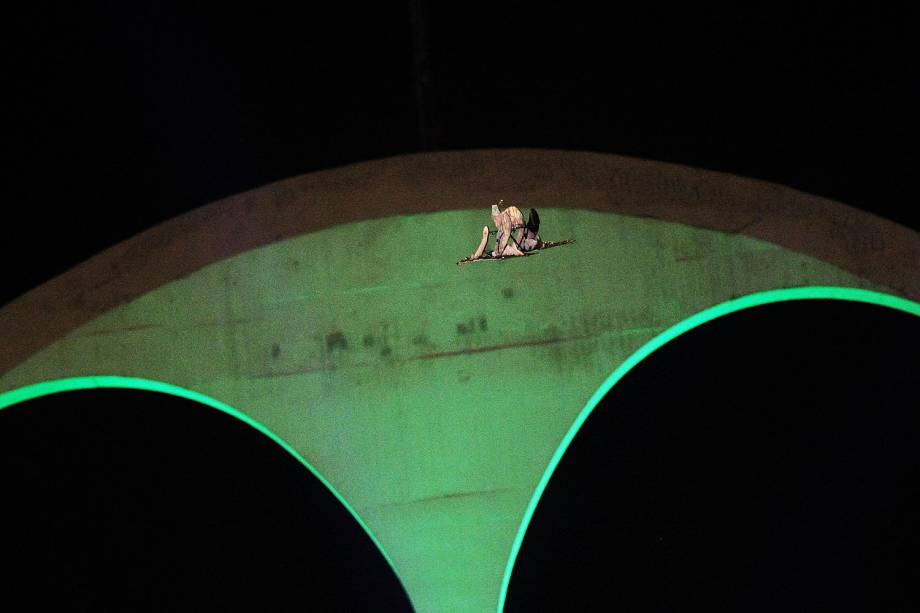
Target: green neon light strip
<point>107,382</point>
<point>726,308</point>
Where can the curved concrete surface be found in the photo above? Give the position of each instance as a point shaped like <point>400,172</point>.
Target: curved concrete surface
<point>399,375</point>
<point>863,244</point>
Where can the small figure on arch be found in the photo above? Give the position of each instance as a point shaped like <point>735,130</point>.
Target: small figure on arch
<point>513,237</point>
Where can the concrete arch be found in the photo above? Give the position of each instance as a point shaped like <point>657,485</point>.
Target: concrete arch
<point>703,317</point>
<point>319,288</point>
<point>864,245</point>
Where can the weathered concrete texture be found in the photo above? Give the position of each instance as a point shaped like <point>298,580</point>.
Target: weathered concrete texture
<point>862,244</point>
<point>431,396</point>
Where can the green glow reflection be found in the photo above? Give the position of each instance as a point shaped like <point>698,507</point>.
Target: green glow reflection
<point>726,308</point>
<point>110,382</point>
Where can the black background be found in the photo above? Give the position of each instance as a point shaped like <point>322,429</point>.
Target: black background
<point>765,461</point>
<point>120,115</point>
<point>123,500</point>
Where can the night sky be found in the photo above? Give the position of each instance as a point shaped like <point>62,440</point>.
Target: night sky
<point>122,500</point>
<point>122,115</point>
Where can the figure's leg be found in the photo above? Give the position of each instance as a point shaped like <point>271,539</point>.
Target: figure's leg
<point>530,242</point>
<point>504,246</point>
<point>531,235</point>
<point>501,239</point>
<point>519,237</point>
<point>511,249</point>
<point>482,244</point>
<point>533,222</point>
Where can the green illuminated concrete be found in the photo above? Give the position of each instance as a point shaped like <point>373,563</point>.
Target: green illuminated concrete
<point>431,396</point>
<point>859,243</point>
<point>726,308</point>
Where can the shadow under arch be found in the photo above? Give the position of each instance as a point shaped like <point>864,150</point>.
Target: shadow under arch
<point>710,314</point>
<point>58,386</point>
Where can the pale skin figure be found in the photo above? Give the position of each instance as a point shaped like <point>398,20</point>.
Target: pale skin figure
<point>482,245</point>
<point>508,221</point>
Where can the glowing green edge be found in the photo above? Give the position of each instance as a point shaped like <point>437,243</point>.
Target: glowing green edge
<point>726,308</point>
<point>109,382</point>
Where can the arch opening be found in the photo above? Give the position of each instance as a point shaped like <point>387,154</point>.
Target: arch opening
<point>735,306</point>
<point>144,488</point>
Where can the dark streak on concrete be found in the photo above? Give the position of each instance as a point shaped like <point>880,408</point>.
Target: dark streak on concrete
<point>124,329</point>
<point>289,373</point>
<point>468,327</point>
<point>537,343</point>
<point>676,194</point>
<point>334,341</point>
<point>453,496</point>
<point>462,377</point>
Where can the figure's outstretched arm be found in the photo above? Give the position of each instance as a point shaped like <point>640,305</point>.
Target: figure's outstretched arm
<point>482,244</point>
